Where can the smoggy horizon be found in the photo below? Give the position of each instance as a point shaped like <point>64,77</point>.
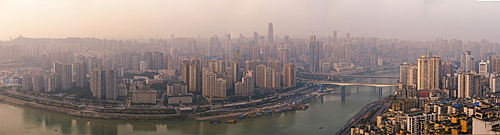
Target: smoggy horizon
<point>467,20</point>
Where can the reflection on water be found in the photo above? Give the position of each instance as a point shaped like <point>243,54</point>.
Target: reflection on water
<point>329,112</point>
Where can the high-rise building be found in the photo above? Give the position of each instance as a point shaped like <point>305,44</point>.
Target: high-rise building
<point>220,88</point>
<point>469,85</point>
<point>416,123</point>
<point>252,64</point>
<point>408,74</point>
<point>158,61</point>
<point>246,86</point>
<point>81,74</point>
<point>267,77</point>
<point>217,66</point>
<point>254,53</point>
<point>111,92</point>
<point>195,76</point>
<point>334,36</point>
<point>428,76</point>
<point>270,33</point>
<point>260,75</point>
<point>289,75</point>
<point>495,65</point>
<point>275,64</point>
<point>103,84</point>
<point>467,62</point>
<point>49,83</point>
<point>255,38</point>
<point>495,84</point>
<point>185,71</point>
<point>148,58</point>
<point>483,68</point>
<point>38,83</point>
<point>283,56</point>
<point>235,72</point>
<point>313,54</point>
<point>135,63</point>
<point>64,75</point>
<point>27,82</point>
<point>143,66</point>
<point>213,87</point>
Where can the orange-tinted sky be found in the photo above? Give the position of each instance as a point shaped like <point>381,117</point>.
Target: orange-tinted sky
<point>404,19</point>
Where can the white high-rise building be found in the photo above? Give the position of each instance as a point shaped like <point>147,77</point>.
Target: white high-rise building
<point>467,62</point>
<point>483,68</point>
<point>416,123</point>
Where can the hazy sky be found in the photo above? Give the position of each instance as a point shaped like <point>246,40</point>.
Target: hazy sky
<point>404,19</point>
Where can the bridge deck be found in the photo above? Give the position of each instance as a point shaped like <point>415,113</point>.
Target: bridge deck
<point>349,83</point>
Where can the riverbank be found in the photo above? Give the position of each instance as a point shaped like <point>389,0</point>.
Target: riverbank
<point>93,114</point>
<point>128,117</point>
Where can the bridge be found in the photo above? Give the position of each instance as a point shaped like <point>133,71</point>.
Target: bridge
<point>344,84</point>
<point>347,76</point>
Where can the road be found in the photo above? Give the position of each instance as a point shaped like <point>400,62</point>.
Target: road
<point>356,118</point>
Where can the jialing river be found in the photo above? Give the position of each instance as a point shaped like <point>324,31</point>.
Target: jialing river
<point>326,115</point>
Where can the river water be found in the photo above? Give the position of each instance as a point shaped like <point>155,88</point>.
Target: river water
<point>326,115</point>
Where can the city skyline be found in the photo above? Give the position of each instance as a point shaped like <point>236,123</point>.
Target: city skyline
<point>422,20</point>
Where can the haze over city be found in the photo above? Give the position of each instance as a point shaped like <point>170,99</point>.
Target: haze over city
<point>358,67</point>
<point>467,20</point>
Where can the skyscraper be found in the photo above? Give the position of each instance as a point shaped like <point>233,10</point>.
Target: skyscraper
<point>64,75</point>
<point>246,86</point>
<point>313,54</point>
<point>483,68</point>
<point>185,71</point>
<point>334,36</point>
<point>275,64</point>
<point>195,74</point>
<point>428,76</point>
<point>270,33</point>
<point>260,75</point>
<point>267,77</point>
<point>255,38</point>
<point>213,87</point>
<point>157,61</point>
<point>469,85</point>
<point>495,65</point>
<point>283,56</point>
<point>96,83</point>
<point>467,62</point>
<point>289,75</point>
<point>103,84</point>
<point>81,74</point>
<point>235,72</point>
<point>147,57</point>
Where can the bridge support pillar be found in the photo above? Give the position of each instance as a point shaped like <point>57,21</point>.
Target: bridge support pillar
<point>379,93</point>
<point>342,91</point>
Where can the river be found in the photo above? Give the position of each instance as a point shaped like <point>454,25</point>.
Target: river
<point>326,115</point>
